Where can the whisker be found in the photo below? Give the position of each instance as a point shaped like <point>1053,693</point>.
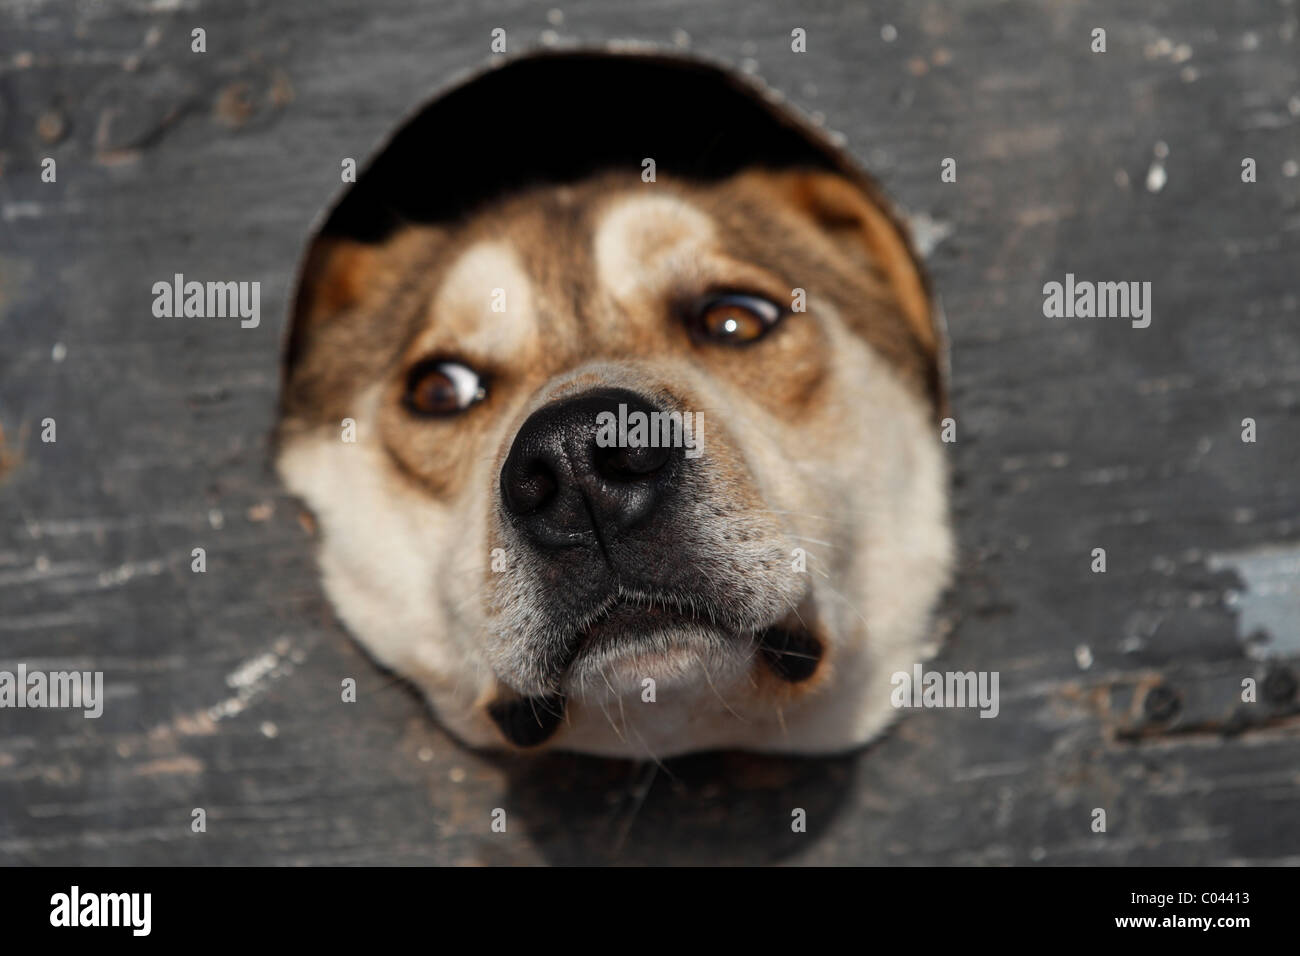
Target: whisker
<point>709,680</point>
<point>639,793</point>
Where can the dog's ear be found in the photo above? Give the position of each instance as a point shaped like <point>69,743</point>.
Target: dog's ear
<point>857,219</point>
<point>334,278</point>
<point>353,308</point>
<point>343,282</point>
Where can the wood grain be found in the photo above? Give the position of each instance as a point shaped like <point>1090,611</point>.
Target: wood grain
<point>1072,434</point>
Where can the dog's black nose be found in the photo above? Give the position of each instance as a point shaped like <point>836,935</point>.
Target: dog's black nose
<point>573,477</point>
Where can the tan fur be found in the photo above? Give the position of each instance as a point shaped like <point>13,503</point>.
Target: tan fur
<point>819,437</point>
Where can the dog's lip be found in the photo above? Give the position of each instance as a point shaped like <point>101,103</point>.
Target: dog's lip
<point>631,612</point>
<point>788,646</point>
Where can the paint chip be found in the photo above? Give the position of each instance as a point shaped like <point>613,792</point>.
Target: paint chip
<point>1268,605</point>
<point>1156,178</point>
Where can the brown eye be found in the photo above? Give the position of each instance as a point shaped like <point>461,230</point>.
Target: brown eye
<point>734,319</point>
<point>442,387</point>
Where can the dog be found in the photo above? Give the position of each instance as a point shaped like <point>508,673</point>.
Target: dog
<point>549,581</point>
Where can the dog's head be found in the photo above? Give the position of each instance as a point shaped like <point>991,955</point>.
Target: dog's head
<point>630,467</point>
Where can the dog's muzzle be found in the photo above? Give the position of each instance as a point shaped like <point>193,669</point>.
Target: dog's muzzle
<point>616,553</point>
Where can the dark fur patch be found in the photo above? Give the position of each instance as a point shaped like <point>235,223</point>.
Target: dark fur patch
<point>528,721</point>
<point>794,656</point>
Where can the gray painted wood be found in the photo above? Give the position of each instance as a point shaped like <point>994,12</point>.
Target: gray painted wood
<point>1073,434</point>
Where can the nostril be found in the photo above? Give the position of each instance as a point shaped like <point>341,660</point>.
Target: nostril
<point>629,463</point>
<point>527,486</point>
<point>565,483</point>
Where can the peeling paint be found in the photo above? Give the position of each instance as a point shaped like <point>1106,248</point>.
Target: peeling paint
<point>1270,601</point>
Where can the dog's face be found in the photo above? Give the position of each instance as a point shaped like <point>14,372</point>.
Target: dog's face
<point>748,569</point>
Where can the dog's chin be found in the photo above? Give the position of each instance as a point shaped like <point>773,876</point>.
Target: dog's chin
<point>636,650</point>
<point>639,645</point>
<point>634,644</point>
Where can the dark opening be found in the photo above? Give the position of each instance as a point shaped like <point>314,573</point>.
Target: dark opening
<point>558,117</point>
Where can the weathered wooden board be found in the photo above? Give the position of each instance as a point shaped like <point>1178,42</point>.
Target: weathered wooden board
<point>1073,434</point>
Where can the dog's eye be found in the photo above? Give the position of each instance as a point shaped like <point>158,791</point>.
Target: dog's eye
<point>734,318</point>
<point>442,387</point>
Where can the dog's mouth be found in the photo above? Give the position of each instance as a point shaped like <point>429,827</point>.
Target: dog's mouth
<point>641,626</point>
<point>630,620</point>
